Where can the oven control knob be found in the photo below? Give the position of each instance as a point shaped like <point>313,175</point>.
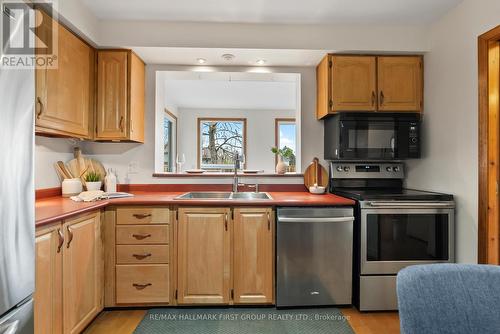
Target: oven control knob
<point>395,168</point>
<point>339,168</point>
<point>346,168</point>
<point>389,169</point>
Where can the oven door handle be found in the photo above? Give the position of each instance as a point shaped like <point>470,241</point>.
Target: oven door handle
<point>422,205</point>
<point>315,220</point>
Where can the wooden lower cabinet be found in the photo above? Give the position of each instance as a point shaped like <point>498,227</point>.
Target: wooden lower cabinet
<point>253,256</point>
<point>82,272</point>
<point>48,280</point>
<point>204,256</point>
<point>145,283</point>
<point>69,275</point>
<point>139,252</point>
<point>226,256</point>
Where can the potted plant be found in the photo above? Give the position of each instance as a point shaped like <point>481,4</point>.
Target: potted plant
<point>93,181</point>
<point>282,153</point>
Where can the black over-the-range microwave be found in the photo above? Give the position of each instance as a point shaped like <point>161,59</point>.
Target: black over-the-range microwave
<point>372,136</point>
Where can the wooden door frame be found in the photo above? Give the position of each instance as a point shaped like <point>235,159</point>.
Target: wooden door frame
<point>489,146</point>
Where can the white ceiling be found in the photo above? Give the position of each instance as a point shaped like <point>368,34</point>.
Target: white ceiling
<point>243,57</point>
<point>275,11</point>
<point>251,91</point>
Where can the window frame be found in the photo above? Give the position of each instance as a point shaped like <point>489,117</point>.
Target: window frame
<point>277,122</point>
<point>174,138</point>
<point>219,119</point>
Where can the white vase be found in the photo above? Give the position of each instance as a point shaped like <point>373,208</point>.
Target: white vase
<point>93,185</point>
<point>280,166</point>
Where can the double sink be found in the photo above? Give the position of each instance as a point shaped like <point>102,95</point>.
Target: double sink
<point>222,195</point>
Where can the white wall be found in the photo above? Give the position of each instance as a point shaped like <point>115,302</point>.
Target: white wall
<point>47,152</point>
<point>450,155</point>
<point>346,37</point>
<point>260,134</point>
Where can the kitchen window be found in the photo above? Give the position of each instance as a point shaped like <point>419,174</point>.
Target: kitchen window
<point>285,137</point>
<point>219,140</point>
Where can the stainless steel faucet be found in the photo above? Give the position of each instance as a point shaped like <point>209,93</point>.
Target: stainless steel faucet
<point>237,165</point>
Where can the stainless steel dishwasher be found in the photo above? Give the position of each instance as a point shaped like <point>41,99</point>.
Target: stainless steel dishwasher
<point>314,256</point>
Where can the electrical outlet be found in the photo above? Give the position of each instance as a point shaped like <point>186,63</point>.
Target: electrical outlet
<point>133,167</point>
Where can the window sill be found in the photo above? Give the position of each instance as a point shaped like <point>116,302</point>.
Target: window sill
<point>228,175</point>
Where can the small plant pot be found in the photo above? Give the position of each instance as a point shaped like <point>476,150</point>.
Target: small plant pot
<point>280,166</point>
<point>93,185</point>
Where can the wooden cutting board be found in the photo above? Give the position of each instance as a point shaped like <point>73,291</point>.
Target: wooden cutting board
<point>80,164</point>
<point>315,173</point>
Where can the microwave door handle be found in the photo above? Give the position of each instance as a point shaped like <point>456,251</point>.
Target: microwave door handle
<point>393,144</point>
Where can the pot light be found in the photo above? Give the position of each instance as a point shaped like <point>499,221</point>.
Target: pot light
<point>260,61</point>
<point>228,57</point>
<point>201,60</point>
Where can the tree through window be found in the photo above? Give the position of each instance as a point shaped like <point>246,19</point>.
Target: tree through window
<point>218,142</point>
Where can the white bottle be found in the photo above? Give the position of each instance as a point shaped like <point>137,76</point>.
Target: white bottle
<point>110,182</point>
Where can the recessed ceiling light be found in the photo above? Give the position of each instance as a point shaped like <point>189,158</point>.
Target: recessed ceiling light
<point>228,56</point>
<point>201,60</point>
<point>260,61</point>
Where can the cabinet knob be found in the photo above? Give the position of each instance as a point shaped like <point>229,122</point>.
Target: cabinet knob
<point>382,97</point>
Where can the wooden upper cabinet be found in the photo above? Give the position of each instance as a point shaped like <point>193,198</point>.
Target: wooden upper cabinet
<point>204,256</point>
<point>400,83</point>
<point>65,95</point>
<point>82,272</point>
<point>368,83</point>
<point>253,256</point>
<point>120,96</point>
<point>48,280</point>
<point>353,83</point>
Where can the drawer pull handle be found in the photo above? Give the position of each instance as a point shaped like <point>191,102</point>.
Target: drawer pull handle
<point>61,240</point>
<point>141,256</point>
<point>70,236</point>
<point>142,215</point>
<point>141,286</point>
<point>141,236</point>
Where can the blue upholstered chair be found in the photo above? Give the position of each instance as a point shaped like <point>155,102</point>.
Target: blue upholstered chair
<point>449,298</point>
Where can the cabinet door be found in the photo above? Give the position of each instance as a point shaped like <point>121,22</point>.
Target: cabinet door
<point>112,88</point>
<point>253,256</point>
<point>48,281</point>
<point>137,98</point>
<point>64,96</point>
<point>82,272</point>
<point>400,83</point>
<point>353,83</point>
<point>204,247</point>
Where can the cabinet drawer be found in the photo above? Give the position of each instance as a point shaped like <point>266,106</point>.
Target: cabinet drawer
<point>142,215</point>
<point>137,254</point>
<point>142,284</point>
<point>142,234</point>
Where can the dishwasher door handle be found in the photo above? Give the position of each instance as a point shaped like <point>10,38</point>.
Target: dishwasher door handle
<point>315,220</point>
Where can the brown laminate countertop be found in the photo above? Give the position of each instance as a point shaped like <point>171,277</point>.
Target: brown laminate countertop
<point>52,209</point>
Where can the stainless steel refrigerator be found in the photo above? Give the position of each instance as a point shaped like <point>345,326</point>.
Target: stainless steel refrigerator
<point>17,226</point>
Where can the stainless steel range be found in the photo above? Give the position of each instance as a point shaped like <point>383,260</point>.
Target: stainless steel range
<point>395,228</point>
